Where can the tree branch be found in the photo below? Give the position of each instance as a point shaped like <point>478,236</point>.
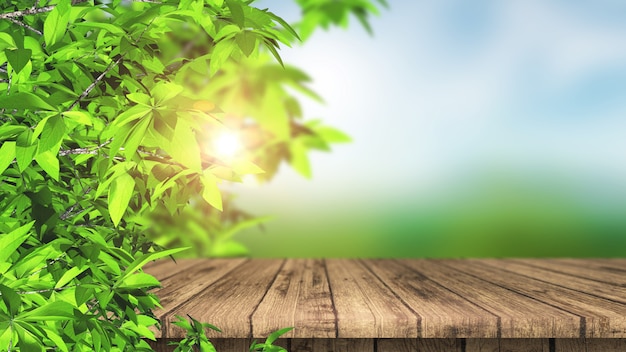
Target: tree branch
<point>94,83</point>
<point>33,10</point>
<point>22,24</point>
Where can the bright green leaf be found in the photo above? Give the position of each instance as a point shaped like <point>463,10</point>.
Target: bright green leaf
<point>120,193</point>
<point>52,134</point>
<point>55,24</point>
<point>7,155</point>
<point>210,192</point>
<point>49,163</point>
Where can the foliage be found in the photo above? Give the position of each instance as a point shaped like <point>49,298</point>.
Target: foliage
<point>107,116</point>
<point>196,336</point>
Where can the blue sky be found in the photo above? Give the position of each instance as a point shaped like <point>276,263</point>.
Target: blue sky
<point>448,91</point>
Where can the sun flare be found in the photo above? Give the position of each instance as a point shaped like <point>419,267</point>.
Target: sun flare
<point>227,145</point>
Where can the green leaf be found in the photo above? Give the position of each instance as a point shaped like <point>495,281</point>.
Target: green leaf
<point>11,299</point>
<point>132,114</point>
<point>236,12</point>
<point>23,101</point>
<point>55,24</point>
<point>273,336</point>
<point>226,31</point>
<point>9,131</point>
<point>120,193</point>
<point>184,147</point>
<point>52,134</point>
<point>18,58</point>
<point>163,92</point>
<point>11,241</point>
<point>105,26</point>
<point>148,257</point>
<point>24,150</point>
<point>81,117</point>
<point>135,137</point>
<point>27,341</point>
<point>247,42</point>
<point>58,310</point>
<point>49,163</point>
<point>55,338</point>
<point>140,280</point>
<point>7,155</point>
<point>69,275</point>
<point>210,192</point>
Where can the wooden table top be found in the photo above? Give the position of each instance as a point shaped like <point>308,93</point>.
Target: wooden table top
<point>385,298</point>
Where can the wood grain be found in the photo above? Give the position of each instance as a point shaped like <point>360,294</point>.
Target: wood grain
<point>229,302</point>
<point>444,314</point>
<point>410,300</point>
<point>440,345</point>
<point>332,345</point>
<point>605,290</point>
<point>300,298</point>
<point>602,318</point>
<point>396,345</point>
<point>519,316</point>
<point>365,306</point>
<point>583,269</point>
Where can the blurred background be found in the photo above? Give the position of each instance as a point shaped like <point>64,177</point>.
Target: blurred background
<point>480,128</point>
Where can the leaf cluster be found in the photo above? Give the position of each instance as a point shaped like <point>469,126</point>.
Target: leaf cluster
<point>108,110</point>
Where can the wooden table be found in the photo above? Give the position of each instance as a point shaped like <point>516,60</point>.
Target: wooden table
<point>384,305</point>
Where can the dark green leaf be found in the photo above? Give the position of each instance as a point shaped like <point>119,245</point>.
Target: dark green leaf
<point>23,101</point>
<point>247,42</point>
<point>18,58</point>
<point>11,299</point>
<point>236,12</point>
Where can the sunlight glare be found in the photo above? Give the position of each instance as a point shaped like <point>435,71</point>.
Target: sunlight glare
<point>227,145</point>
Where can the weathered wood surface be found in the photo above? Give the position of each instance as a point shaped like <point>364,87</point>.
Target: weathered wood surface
<point>421,301</point>
<point>420,345</point>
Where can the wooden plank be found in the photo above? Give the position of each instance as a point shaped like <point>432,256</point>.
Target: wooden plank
<point>613,292</point>
<point>299,297</point>
<point>440,345</point>
<point>443,313</point>
<point>165,268</point>
<point>603,318</point>
<point>332,345</point>
<point>507,345</point>
<point>606,345</point>
<point>365,306</point>
<point>520,316</point>
<point>229,302</point>
<point>524,345</point>
<point>396,345</point>
<point>578,268</point>
<point>190,277</point>
<point>482,345</point>
<point>590,345</point>
<point>570,345</point>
